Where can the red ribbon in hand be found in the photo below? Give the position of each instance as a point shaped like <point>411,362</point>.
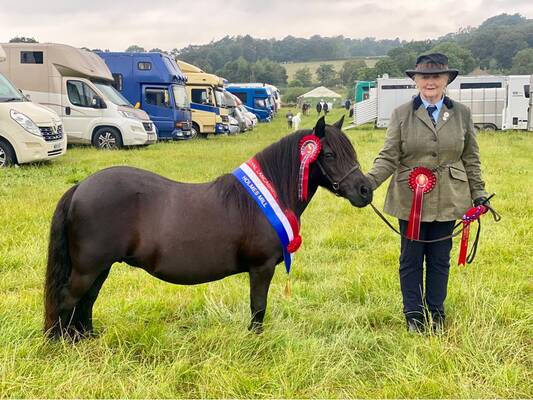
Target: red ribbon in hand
<point>421,180</point>
<point>470,216</point>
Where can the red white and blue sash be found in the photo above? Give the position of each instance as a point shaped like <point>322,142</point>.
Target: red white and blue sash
<point>284,222</point>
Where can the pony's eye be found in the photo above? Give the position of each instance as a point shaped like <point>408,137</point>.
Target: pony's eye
<point>329,156</point>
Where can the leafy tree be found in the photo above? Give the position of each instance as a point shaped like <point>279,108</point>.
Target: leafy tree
<point>135,49</point>
<point>326,74</point>
<point>155,50</point>
<point>506,46</point>
<point>22,39</point>
<point>387,66</point>
<point>303,77</point>
<point>523,62</point>
<point>458,57</point>
<point>351,71</point>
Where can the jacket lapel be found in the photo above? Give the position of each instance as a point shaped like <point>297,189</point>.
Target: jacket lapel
<point>444,116</point>
<point>423,115</point>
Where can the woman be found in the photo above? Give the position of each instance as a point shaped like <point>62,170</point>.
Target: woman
<point>435,132</point>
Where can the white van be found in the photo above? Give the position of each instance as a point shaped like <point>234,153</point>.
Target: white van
<point>28,132</point>
<point>77,85</point>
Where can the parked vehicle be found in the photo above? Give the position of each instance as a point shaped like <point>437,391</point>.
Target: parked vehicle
<point>530,110</point>
<point>77,85</point>
<point>155,83</point>
<point>362,90</point>
<point>234,126</point>
<point>28,132</point>
<point>209,116</point>
<point>255,98</point>
<point>231,103</point>
<point>249,115</point>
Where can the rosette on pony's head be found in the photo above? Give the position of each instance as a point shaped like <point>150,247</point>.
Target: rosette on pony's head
<point>308,148</point>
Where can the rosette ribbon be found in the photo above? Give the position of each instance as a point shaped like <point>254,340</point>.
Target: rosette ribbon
<point>421,180</point>
<point>470,216</point>
<point>309,149</point>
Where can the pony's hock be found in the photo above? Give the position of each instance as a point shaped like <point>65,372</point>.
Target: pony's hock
<point>185,233</point>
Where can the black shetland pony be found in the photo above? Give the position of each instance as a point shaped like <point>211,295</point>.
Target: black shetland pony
<point>179,232</point>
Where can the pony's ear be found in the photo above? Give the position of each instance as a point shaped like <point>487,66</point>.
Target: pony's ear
<point>338,124</point>
<point>320,127</point>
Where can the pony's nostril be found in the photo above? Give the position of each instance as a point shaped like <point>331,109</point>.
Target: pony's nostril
<point>364,190</point>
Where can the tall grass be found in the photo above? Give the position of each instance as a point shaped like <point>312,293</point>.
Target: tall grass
<point>341,334</point>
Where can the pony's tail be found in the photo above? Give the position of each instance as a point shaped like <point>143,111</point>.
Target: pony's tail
<point>58,267</point>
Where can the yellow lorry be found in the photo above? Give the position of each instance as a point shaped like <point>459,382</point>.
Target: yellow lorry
<point>209,115</point>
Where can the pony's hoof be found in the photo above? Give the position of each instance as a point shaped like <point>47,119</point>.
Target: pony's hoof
<point>256,327</point>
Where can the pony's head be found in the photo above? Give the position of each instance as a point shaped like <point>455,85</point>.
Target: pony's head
<point>338,165</point>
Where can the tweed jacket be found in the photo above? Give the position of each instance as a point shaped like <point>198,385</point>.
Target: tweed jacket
<point>449,149</point>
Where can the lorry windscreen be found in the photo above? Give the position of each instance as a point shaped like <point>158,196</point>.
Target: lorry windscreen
<point>180,96</point>
<point>219,96</point>
<point>8,92</point>
<point>113,94</point>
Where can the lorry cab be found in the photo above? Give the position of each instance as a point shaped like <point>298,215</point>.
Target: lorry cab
<point>28,132</point>
<point>76,84</point>
<point>209,115</point>
<point>155,83</point>
<point>256,99</point>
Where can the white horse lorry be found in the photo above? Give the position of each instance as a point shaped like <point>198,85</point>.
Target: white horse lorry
<point>77,84</point>
<point>497,102</point>
<point>28,132</point>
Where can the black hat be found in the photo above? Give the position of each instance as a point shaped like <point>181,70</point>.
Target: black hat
<point>429,64</point>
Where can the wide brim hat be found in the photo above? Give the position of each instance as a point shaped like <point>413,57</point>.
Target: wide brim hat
<point>431,64</point>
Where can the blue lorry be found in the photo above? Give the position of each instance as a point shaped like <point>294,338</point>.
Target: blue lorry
<point>155,83</point>
<point>255,97</point>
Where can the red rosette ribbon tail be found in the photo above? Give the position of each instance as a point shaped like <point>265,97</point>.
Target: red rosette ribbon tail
<point>470,216</point>
<point>296,241</point>
<point>309,149</point>
<point>421,180</point>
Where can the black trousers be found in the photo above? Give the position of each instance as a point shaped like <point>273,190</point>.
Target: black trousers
<point>437,257</point>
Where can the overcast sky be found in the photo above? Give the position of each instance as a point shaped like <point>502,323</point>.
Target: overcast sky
<point>116,24</point>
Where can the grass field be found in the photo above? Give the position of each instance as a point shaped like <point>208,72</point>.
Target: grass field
<point>340,335</point>
<point>313,65</point>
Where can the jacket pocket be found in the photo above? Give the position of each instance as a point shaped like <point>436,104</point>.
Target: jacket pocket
<point>458,173</point>
<point>403,175</point>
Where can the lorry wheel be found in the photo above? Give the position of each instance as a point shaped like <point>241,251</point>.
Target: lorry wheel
<point>6,155</point>
<point>195,131</point>
<point>107,138</point>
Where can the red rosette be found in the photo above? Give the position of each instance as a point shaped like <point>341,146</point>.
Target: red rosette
<point>421,180</point>
<point>308,148</point>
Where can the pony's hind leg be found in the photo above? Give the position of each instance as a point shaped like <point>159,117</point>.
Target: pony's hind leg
<point>260,279</point>
<point>83,314</point>
<point>78,296</point>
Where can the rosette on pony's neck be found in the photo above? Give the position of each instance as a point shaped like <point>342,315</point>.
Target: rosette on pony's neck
<point>309,148</point>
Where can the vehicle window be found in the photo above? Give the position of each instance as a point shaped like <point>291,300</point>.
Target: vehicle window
<point>259,103</point>
<point>144,65</point>
<point>112,94</point>
<point>242,96</point>
<point>180,96</point>
<point>80,94</point>
<point>8,91</point>
<point>158,97</point>
<point>31,57</point>
<point>526,91</point>
<point>218,97</point>
<point>481,85</point>
<point>118,84</point>
<point>199,96</point>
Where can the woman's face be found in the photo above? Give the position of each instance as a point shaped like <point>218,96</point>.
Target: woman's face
<point>431,87</point>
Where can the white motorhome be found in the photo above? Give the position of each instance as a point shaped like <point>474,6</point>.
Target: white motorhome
<point>28,132</point>
<point>76,84</point>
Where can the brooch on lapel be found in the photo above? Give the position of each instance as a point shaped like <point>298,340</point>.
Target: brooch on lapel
<point>445,116</point>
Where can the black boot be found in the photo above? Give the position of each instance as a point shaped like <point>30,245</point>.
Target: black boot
<point>415,322</point>
<point>437,322</point>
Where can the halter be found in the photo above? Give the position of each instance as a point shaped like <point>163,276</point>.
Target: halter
<point>336,185</point>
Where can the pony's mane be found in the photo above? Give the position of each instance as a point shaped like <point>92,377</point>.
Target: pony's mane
<point>280,163</point>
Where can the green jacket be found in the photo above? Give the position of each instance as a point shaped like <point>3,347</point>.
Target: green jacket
<point>449,149</point>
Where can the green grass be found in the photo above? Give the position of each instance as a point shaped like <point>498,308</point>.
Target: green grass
<point>341,334</point>
<point>292,67</point>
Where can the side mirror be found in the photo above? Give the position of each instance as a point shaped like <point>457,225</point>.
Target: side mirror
<point>97,102</point>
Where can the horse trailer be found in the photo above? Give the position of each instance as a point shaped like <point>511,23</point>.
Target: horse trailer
<point>530,111</point>
<point>496,102</point>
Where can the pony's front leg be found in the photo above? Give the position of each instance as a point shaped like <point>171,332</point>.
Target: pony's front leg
<point>260,278</point>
